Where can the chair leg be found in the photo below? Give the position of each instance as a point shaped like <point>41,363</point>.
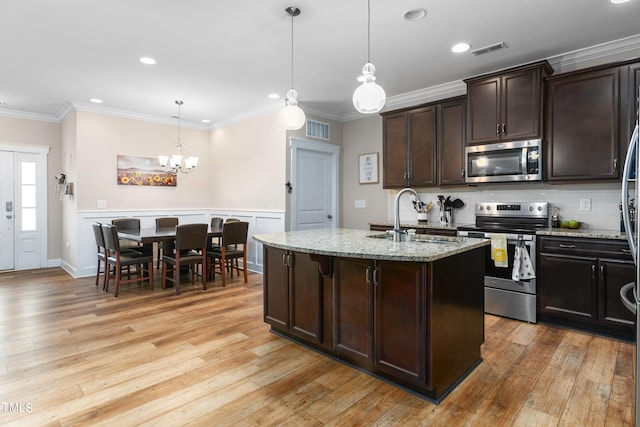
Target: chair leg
<point>98,272</point>
<point>118,274</point>
<point>204,270</point>
<point>150,277</point>
<point>176,277</point>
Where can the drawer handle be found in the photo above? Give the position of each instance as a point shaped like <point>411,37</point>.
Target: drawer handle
<point>562,245</point>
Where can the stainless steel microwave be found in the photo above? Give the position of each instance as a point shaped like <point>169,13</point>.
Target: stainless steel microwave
<point>504,162</point>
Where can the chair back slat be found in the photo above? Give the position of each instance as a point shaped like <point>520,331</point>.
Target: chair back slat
<point>111,242</point>
<point>235,233</point>
<point>216,222</point>
<point>127,224</point>
<point>97,233</point>
<point>191,236</point>
<point>166,222</point>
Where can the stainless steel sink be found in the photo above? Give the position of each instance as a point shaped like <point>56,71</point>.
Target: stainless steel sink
<point>420,238</point>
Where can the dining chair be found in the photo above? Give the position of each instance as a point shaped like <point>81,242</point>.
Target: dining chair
<point>101,251</point>
<point>234,234</point>
<point>190,249</point>
<point>165,222</point>
<point>119,259</point>
<point>128,225</point>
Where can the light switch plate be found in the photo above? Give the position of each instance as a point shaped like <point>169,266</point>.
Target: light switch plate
<point>102,204</point>
<point>360,204</point>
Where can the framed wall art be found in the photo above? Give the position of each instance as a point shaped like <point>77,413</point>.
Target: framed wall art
<point>144,171</point>
<point>368,168</point>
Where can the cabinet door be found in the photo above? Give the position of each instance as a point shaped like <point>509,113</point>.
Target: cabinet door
<point>582,126</point>
<point>452,130</point>
<point>567,287</point>
<point>521,105</point>
<point>422,146</point>
<point>353,309</point>
<point>614,275</point>
<point>394,147</point>
<point>483,111</point>
<point>275,292</point>
<point>400,328</point>
<point>305,297</point>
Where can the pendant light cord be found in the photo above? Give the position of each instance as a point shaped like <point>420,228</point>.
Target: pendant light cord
<point>292,15</point>
<point>369,31</point>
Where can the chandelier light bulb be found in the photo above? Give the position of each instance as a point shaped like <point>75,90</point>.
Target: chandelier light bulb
<point>369,97</point>
<point>174,163</point>
<point>292,115</point>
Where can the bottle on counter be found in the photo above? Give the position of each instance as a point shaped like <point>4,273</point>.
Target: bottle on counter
<point>555,218</point>
<point>622,229</point>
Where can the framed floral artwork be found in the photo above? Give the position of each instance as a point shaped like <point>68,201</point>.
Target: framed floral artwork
<point>145,171</point>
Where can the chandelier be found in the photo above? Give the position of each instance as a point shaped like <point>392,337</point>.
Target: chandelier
<point>178,162</point>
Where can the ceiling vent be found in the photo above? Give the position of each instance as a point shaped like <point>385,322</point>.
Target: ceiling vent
<point>488,49</point>
<point>318,130</point>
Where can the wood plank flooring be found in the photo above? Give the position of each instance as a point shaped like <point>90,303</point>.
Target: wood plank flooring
<point>73,355</point>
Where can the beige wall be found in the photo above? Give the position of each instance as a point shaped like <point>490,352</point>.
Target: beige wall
<point>69,241</point>
<point>359,137</point>
<point>247,163</point>
<point>100,138</point>
<point>36,132</point>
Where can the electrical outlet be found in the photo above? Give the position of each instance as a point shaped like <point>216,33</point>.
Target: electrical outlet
<point>360,204</point>
<point>101,204</point>
<point>585,204</point>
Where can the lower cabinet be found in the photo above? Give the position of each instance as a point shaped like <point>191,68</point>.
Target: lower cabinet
<point>293,293</point>
<point>373,322</point>
<point>579,284</point>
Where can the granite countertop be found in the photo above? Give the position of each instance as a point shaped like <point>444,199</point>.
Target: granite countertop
<point>585,233</point>
<point>418,225</point>
<point>355,244</point>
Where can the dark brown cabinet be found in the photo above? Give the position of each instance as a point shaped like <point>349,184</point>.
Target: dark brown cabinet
<point>579,284</point>
<point>507,106</point>
<point>293,293</point>
<point>424,146</point>
<point>373,323</point>
<point>583,126</point>
<point>409,148</point>
<point>419,230</point>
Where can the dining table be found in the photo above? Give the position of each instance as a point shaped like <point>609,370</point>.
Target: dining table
<point>150,236</point>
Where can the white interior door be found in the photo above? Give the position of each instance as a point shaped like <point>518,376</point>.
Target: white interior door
<point>7,210</point>
<point>314,199</point>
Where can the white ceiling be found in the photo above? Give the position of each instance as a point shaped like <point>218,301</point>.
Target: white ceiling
<point>222,58</point>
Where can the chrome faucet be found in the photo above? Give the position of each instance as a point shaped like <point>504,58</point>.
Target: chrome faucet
<point>397,232</point>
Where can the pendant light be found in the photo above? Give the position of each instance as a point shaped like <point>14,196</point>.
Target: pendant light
<point>369,97</point>
<point>178,162</point>
<point>292,114</point>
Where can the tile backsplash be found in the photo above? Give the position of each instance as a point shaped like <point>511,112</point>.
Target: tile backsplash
<point>604,199</point>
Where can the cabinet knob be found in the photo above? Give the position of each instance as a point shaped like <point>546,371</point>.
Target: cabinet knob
<point>497,128</point>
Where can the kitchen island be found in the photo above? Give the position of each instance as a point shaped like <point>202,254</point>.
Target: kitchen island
<point>409,312</point>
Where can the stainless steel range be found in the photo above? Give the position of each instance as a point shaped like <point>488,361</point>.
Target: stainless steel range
<point>516,223</point>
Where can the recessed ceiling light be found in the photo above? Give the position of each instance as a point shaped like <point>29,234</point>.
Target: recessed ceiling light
<point>415,14</point>
<point>619,1</point>
<point>96,100</point>
<point>148,61</point>
<point>274,96</point>
<point>460,47</point>
<point>206,121</point>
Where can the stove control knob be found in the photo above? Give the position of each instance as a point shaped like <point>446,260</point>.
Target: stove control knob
<point>530,208</point>
<point>481,208</point>
<point>539,208</point>
<point>488,208</point>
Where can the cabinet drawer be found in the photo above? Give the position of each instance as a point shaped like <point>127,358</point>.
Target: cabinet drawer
<point>597,248</point>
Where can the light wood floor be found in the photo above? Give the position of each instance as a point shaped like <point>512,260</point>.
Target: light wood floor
<point>73,355</point>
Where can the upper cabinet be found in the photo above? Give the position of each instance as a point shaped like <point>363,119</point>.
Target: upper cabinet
<point>590,117</point>
<point>506,106</point>
<point>424,146</point>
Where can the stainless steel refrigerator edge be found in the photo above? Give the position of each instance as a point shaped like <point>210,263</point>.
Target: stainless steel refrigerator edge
<point>633,304</point>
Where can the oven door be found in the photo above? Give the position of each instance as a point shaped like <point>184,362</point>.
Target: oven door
<point>501,277</point>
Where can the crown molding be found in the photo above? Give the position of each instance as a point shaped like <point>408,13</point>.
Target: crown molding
<point>600,52</point>
<point>15,114</point>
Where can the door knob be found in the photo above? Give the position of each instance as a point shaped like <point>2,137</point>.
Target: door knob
<point>329,216</point>
<point>9,216</point>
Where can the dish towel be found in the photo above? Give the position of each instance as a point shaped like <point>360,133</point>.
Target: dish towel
<point>522,268</point>
<point>499,250</point>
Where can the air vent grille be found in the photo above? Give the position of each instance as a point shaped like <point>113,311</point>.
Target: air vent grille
<point>487,49</point>
<point>318,130</point>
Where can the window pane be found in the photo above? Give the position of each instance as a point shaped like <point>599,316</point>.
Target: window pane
<point>28,196</point>
<point>28,173</point>
<point>28,219</point>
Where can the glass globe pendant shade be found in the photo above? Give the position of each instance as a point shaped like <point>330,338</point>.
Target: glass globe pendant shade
<point>369,97</point>
<point>292,115</point>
